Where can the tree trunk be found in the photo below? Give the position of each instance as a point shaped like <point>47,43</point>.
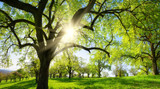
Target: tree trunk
<point>154,67</point>
<point>54,75</point>
<point>60,75</point>
<point>44,71</point>
<point>70,72</point>
<point>93,75</point>
<point>36,78</point>
<point>72,75</point>
<point>50,76</point>
<point>99,68</point>
<point>154,60</point>
<point>88,75</point>
<point>99,74</point>
<point>79,74</point>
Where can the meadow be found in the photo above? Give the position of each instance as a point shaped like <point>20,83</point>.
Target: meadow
<point>132,82</point>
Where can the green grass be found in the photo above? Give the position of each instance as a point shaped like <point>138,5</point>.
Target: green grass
<point>137,82</point>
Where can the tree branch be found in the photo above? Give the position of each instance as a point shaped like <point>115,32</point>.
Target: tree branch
<point>147,54</point>
<point>82,47</point>
<point>80,13</point>
<point>42,5</point>
<point>21,5</point>
<point>157,45</point>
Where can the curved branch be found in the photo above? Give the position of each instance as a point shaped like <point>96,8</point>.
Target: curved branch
<point>13,22</point>
<point>80,13</point>
<point>41,5</point>
<point>6,15</point>
<point>21,5</point>
<point>22,20</point>
<point>82,47</point>
<point>147,54</point>
<point>9,48</point>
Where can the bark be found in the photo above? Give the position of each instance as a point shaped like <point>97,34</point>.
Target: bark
<point>36,78</point>
<point>37,73</point>
<point>44,71</point>
<point>99,74</point>
<point>70,72</point>
<point>154,60</point>
<point>154,67</point>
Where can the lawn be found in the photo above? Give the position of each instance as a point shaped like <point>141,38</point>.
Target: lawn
<point>138,82</point>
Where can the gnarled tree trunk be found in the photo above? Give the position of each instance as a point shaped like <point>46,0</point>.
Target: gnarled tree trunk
<point>44,72</point>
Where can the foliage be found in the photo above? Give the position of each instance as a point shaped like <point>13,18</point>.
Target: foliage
<point>100,61</point>
<point>133,71</point>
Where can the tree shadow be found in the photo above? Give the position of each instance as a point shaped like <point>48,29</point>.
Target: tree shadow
<point>22,85</point>
<point>67,79</point>
<point>94,83</point>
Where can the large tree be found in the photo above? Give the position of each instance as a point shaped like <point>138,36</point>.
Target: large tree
<point>41,29</point>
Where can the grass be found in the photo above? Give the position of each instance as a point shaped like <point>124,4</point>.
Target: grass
<point>134,82</point>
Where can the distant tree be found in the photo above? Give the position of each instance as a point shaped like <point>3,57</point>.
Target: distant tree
<point>53,71</point>
<point>1,76</point>
<point>146,67</point>
<point>133,71</point>
<point>105,74</point>
<point>119,70</point>
<point>80,68</point>
<point>71,61</point>
<point>93,70</point>
<point>87,70</point>
<point>7,76</point>
<point>101,62</point>
<point>34,68</point>
<point>60,66</point>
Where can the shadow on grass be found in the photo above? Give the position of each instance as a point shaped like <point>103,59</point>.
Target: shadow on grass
<point>22,85</point>
<point>67,79</point>
<point>135,82</point>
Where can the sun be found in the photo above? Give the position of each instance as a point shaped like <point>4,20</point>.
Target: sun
<point>69,34</point>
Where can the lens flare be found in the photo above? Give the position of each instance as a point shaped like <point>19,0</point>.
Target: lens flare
<point>69,34</point>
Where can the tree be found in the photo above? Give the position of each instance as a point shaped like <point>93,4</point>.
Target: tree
<point>119,70</point>
<point>22,73</point>
<point>87,69</point>
<point>145,31</point>
<point>101,62</point>
<point>71,61</point>
<point>52,71</point>
<point>1,76</point>
<point>60,66</point>
<point>34,67</point>
<point>42,27</point>
<point>133,71</point>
